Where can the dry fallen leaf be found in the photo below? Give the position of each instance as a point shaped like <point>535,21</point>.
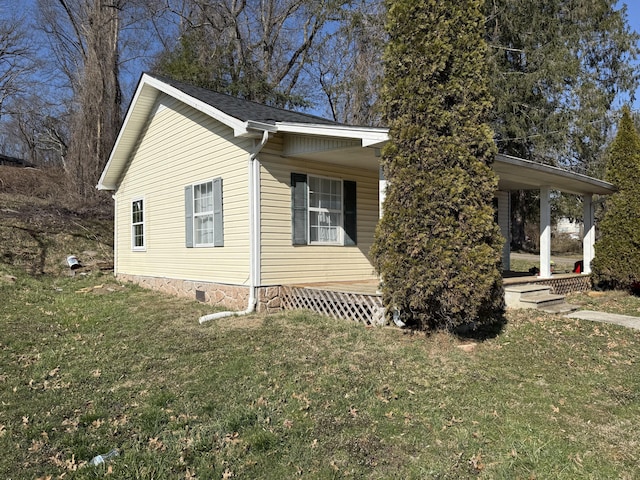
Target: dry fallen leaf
<point>156,444</point>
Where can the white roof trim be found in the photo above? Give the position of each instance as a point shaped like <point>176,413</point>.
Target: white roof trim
<point>237,125</point>
<point>585,182</point>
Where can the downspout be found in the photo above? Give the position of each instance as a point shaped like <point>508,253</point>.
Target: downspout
<point>254,234</point>
<point>115,235</point>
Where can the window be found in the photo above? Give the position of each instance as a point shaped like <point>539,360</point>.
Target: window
<point>203,214</point>
<point>137,224</point>
<point>323,210</point>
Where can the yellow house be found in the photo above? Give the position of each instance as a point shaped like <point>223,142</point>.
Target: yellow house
<point>221,199</point>
<point>226,200</point>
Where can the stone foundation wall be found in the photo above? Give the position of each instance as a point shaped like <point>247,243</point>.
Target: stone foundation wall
<point>232,297</point>
<point>269,299</point>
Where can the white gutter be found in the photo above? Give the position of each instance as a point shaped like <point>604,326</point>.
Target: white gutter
<point>254,234</point>
<point>115,235</point>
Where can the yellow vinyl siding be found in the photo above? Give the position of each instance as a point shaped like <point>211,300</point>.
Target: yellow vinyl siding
<point>284,263</point>
<point>180,147</point>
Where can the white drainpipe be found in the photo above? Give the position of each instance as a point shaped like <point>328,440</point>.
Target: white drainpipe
<point>115,235</point>
<point>254,234</point>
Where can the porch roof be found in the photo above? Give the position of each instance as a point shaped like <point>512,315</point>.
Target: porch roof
<point>519,174</point>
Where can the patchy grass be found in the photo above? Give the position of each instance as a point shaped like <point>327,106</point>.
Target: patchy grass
<point>615,301</point>
<point>88,365</point>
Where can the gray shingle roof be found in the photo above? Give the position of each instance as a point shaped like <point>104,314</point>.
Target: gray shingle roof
<point>241,109</point>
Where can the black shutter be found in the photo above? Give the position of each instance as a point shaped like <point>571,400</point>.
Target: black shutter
<point>298,209</point>
<point>350,213</point>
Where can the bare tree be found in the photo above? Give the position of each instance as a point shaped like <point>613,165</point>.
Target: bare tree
<point>37,131</point>
<point>255,49</point>
<point>84,37</point>
<point>16,60</point>
<point>349,65</point>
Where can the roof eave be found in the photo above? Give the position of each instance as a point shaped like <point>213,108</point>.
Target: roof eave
<point>585,183</point>
<point>369,136</point>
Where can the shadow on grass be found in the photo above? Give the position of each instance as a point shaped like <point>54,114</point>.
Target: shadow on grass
<point>468,331</point>
<point>482,332</point>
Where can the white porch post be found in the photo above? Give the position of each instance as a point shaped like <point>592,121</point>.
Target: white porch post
<point>545,233</point>
<point>504,222</point>
<point>589,237</point>
<point>382,191</point>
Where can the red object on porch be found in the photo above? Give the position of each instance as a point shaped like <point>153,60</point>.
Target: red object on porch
<point>577,267</point>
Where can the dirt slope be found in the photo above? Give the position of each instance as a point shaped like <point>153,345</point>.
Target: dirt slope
<point>41,224</point>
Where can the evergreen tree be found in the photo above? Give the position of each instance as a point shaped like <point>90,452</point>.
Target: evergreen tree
<point>556,67</point>
<point>617,259</point>
<point>437,247</point>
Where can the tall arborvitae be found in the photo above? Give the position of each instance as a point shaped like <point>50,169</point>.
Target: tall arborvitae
<point>437,246</point>
<point>617,260</point>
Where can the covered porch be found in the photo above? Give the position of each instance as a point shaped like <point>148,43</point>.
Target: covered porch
<point>361,301</point>
<point>518,174</point>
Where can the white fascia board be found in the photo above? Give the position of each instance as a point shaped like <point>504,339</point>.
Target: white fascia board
<point>228,120</point>
<point>602,186</point>
<point>370,136</point>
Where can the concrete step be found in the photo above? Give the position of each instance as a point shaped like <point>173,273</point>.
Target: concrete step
<point>543,299</point>
<point>560,308</point>
<point>536,296</point>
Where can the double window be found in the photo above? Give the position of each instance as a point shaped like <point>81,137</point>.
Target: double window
<point>137,224</point>
<point>203,214</point>
<point>323,210</point>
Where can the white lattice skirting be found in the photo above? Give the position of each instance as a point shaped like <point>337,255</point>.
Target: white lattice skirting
<point>340,305</point>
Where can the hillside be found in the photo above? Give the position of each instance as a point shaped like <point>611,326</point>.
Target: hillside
<point>41,224</point>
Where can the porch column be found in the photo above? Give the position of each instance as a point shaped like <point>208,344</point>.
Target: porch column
<point>382,191</point>
<point>589,236</point>
<point>504,220</point>
<point>545,233</point>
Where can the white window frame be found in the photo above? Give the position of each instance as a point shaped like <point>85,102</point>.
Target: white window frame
<point>322,210</point>
<point>197,215</point>
<point>134,224</point>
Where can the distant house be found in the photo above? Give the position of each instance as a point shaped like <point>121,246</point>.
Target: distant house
<point>14,161</point>
<point>568,226</point>
<point>227,200</point>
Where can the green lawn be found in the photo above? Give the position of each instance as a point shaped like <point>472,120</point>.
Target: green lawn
<point>84,370</point>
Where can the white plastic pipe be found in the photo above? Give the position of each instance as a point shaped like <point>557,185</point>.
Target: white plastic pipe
<point>254,235</point>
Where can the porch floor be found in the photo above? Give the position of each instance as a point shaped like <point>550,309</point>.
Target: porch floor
<point>372,287</point>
